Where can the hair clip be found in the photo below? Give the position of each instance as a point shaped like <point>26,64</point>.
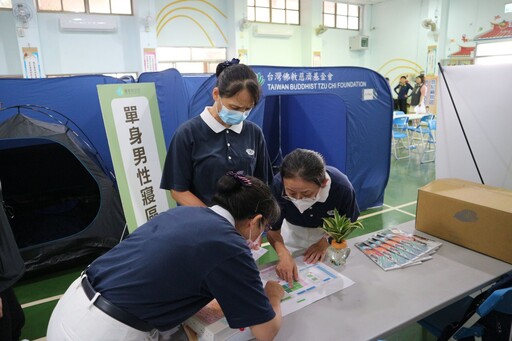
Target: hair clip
<point>241,178</point>
<point>228,63</point>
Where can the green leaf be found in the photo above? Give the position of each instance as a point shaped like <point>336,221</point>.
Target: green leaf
<point>339,227</point>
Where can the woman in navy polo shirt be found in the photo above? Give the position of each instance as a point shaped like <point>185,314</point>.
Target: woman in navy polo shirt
<point>307,190</point>
<point>175,264</point>
<point>218,140</point>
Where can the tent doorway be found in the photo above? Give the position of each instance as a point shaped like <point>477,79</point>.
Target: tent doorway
<point>61,202</point>
<point>60,194</point>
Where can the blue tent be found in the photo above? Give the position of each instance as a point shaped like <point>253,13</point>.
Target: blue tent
<point>75,97</point>
<point>345,113</point>
<point>173,95</point>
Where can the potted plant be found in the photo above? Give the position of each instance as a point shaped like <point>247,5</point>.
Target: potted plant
<point>339,228</point>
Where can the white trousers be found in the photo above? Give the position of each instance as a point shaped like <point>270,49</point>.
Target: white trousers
<point>75,318</point>
<point>298,237</point>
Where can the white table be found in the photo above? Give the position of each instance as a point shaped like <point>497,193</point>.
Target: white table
<point>411,116</point>
<point>380,302</point>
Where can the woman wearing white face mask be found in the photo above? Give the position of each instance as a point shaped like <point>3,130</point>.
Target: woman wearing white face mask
<point>218,140</point>
<point>307,190</point>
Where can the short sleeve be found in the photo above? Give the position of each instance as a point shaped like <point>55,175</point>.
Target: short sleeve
<point>347,202</point>
<point>263,170</point>
<point>277,192</point>
<point>351,206</point>
<point>178,171</point>
<point>236,285</point>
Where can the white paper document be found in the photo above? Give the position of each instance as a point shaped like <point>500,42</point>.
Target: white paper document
<point>316,281</point>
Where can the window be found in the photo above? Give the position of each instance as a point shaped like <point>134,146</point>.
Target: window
<point>494,53</point>
<point>341,15</point>
<point>274,11</point>
<point>86,6</point>
<point>190,59</point>
<point>5,4</point>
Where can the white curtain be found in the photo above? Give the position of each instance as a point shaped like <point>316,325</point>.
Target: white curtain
<point>483,96</point>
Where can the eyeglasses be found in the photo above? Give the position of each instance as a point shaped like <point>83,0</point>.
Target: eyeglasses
<point>265,227</point>
<point>312,200</point>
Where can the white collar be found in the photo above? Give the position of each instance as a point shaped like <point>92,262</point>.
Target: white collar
<point>324,191</point>
<point>216,126</point>
<point>223,213</point>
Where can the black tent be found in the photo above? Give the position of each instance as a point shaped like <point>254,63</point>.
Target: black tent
<point>62,205</point>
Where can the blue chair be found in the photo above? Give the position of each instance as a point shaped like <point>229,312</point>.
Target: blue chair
<point>398,113</point>
<point>400,138</point>
<point>429,148</point>
<point>471,317</point>
<point>421,131</point>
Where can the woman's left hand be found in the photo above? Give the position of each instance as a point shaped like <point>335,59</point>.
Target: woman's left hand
<point>316,252</point>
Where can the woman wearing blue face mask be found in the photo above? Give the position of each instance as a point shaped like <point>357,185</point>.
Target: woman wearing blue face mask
<point>218,140</point>
<point>307,190</point>
<point>172,266</point>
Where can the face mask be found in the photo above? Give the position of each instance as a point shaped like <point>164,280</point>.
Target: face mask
<point>231,117</point>
<point>304,204</point>
<point>254,245</point>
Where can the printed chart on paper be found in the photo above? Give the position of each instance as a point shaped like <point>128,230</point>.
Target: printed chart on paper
<point>316,281</point>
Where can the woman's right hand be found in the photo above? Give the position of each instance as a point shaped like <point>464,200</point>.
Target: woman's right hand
<point>286,269</point>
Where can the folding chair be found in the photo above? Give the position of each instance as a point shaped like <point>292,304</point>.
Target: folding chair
<point>398,113</point>
<point>400,138</point>
<point>421,131</point>
<point>429,147</point>
<point>488,316</point>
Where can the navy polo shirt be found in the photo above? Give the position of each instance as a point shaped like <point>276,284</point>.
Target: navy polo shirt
<point>202,150</point>
<point>341,196</point>
<point>172,266</point>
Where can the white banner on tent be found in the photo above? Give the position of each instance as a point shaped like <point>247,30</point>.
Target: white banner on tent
<point>481,95</point>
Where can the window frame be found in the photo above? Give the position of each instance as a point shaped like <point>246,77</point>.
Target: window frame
<point>208,64</point>
<point>270,8</point>
<point>336,15</point>
<point>86,9</point>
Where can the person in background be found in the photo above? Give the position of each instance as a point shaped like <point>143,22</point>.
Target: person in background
<point>12,269</point>
<point>218,140</point>
<point>402,92</point>
<point>175,264</point>
<point>418,95</point>
<point>307,190</point>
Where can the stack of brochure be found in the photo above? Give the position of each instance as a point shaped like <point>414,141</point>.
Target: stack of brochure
<point>394,249</point>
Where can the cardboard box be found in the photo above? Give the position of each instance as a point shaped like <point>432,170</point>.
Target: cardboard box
<point>472,215</point>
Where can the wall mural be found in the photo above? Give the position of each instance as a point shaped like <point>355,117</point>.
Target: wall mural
<point>202,14</point>
<point>398,67</point>
<point>465,55</point>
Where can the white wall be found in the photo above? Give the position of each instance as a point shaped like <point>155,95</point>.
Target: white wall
<point>10,64</point>
<point>398,43</point>
<point>397,38</point>
<point>89,52</point>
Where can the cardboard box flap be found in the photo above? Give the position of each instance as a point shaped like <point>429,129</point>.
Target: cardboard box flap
<point>477,194</point>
